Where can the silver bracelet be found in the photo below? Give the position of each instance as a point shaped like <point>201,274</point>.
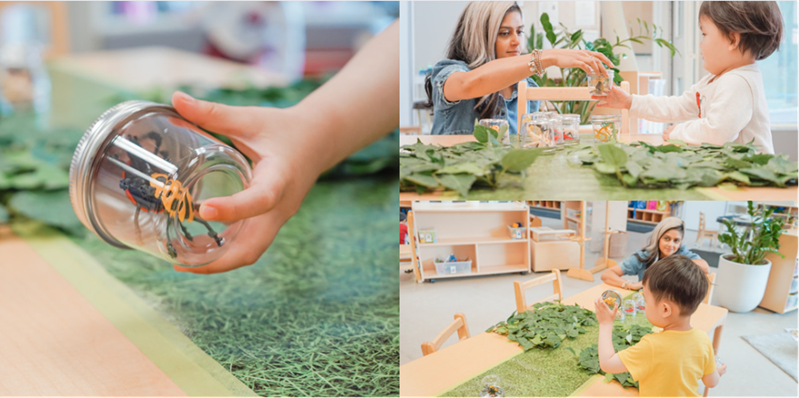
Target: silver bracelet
<point>535,63</point>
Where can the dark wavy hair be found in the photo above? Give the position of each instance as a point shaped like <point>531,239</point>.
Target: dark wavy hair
<point>758,22</point>
<point>676,278</point>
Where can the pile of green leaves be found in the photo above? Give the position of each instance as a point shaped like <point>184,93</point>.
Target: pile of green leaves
<point>624,336</point>
<point>682,166</point>
<point>462,166</point>
<point>546,325</point>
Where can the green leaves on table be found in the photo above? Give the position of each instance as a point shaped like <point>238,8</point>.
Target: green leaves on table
<point>546,325</point>
<point>51,207</point>
<point>462,166</point>
<point>642,165</point>
<point>624,336</point>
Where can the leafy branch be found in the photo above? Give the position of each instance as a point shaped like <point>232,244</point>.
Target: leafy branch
<point>546,325</point>
<point>575,77</point>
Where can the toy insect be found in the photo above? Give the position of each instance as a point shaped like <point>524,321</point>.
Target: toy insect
<point>605,133</point>
<point>158,193</point>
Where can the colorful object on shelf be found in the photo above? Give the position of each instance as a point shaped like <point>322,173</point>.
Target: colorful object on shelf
<point>517,231</point>
<point>448,267</point>
<point>427,235</point>
<point>652,205</point>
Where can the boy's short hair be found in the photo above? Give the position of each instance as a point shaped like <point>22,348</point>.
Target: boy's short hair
<point>758,22</point>
<point>678,279</point>
<point>402,217</point>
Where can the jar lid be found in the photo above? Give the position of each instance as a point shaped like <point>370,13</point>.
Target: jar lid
<point>606,118</point>
<point>81,170</point>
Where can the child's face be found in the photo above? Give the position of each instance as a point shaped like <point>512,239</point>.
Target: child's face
<point>718,52</point>
<point>510,36</point>
<point>669,243</point>
<point>660,312</point>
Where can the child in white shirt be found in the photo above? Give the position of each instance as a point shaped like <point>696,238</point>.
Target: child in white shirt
<point>729,105</point>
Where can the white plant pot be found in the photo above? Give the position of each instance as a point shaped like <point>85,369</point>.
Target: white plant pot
<point>740,287</point>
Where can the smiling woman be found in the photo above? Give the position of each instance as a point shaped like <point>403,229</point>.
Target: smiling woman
<point>486,58</point>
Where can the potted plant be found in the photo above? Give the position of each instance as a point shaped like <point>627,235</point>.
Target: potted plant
<point>743,274</point>
<point>576,77</point>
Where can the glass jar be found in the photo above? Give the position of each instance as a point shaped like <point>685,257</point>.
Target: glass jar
<point>570,128</point>
<point>600,85</point>
<point>640,302</point>
<point>536,133</point>
<point>629,307</point>
<point>606,127</point>
<point>491,387</point>
<point>24,82</point>
<point>611,297</point>
<point>500,126</point>
<point>139,175</point>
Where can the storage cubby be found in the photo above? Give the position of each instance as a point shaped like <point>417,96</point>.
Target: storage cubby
<point>477,230</point>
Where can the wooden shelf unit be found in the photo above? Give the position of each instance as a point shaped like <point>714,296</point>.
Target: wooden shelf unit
<point>475,230</point>
<point>646,216</point>
<point>782,275</point>
<point>545,204</point>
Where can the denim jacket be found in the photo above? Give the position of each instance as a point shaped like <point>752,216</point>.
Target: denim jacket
<point>632,266</point>
<point>457,117</point>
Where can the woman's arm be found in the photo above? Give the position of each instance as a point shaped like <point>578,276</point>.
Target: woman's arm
<point>703,264</point>
<point>501,73</point>
<point>612,276</point>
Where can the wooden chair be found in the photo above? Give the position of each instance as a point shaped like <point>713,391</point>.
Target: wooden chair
<point>710,279</point>
<point>521,287</point>
<point>703,232</point>
<point>459,325</point>
<point>564,94</point>
<point>535,221</point>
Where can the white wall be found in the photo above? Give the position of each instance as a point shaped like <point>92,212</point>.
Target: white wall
<point>406,64</point>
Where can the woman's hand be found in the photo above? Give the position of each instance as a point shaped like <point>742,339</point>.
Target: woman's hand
<point>604,314</point>
<point>589,61</point>
<point>635,286</point>
<point>616,99</point>
<point>667,132</point>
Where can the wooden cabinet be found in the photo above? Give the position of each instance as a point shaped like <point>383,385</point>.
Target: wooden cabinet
<point>646,216</point>
<point>781,289</point>
<point>545,204</point>
<point>474,230</point>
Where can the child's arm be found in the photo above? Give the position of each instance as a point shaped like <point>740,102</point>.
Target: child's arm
<point>712,379</point>
<point>649,107</point>
<point>609,360</point>
<point>724,115</point>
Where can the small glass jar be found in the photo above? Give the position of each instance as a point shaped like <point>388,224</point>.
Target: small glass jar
<point>606,127</point>
<point>491,387</point>
<point>600,85</point>
<point>629,307</point>
<point>612,298</point>
<point>570,128</point>
<point>640,302</point>
<point>24,82</point>
<point>557,130</point>
<point>139,175</point>
<point>500,126</point>
<point>536,134</point>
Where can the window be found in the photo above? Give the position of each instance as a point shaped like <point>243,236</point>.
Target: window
<point>779,71</point>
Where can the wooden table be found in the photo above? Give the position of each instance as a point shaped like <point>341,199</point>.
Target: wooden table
<point>552,177</point>
<point>435,373</point>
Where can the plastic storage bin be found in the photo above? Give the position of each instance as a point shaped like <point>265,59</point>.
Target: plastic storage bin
<point>454,267</point>
<point>517,233</point>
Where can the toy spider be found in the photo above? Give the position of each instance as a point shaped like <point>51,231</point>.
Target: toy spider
<point>160,193</point>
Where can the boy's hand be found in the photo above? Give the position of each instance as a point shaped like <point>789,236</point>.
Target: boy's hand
<point>722,369</point>
<point>667,132</point>
<point>604,314</point>
<point>616,99</point>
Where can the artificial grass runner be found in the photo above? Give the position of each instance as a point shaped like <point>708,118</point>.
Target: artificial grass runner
<point>317,315</point>
<point>541,372</point>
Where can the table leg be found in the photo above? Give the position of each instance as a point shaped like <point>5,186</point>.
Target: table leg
<point>716,340</point>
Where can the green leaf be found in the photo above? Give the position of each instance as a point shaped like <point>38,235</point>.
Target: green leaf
<point>458,182</point>
<point>605,168</point>
<point>612,155</point>
<point>53,208</point>
<point>481,133</point>
<point>519,159</point>
<point>3,215</point>
<point>426,180</point>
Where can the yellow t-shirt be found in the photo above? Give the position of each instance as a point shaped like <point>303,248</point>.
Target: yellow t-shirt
<point>670,363</point>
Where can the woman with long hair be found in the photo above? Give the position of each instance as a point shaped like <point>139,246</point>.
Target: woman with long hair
<point>666,240</point>
<point>486,59</point>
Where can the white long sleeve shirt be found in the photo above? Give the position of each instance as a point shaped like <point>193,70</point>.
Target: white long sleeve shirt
<point>730,109</point>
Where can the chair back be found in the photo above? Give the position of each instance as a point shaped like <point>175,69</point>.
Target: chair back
<point>459,325</point>
<point>701,221</point>
<point>563,94</point>
<point>521,287</point>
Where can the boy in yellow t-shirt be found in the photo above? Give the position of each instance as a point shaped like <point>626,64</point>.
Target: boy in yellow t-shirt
<point>671,362</point>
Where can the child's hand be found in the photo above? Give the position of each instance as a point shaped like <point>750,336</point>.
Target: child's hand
<point>722,369</point>
<point>604,314</point>
<point>277,142</point>
<point>667,132</point>
<point>616,99</point>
